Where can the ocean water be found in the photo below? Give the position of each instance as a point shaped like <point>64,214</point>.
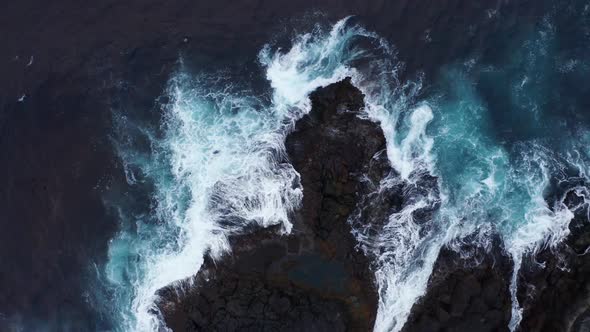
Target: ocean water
<point>491,146</point>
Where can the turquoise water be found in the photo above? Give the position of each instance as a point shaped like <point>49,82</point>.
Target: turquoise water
<point>507,131</point>
<point>504,133</point>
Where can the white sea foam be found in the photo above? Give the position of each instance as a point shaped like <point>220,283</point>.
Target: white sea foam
<point>543,226</point>
<point>221,165</point>
<point>414,150</point>
<point>404,259</point>
<point>223,152</point>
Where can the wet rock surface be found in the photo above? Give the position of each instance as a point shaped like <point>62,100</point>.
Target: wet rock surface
<point>58,163</point>
<point>466,292</point>
<point>313,279</point>
<point>469,287</point>
<point>555,283</point>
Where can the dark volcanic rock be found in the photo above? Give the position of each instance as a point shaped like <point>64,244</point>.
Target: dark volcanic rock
<point>471,293</point>
<point>57,159</point>
<point>555,284</point>
<point>466,292</point>
<point>313,279</point>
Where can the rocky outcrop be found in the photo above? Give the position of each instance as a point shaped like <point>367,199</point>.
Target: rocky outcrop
<point>316,280</point>
<point>57,158</point>
<point>555,283</point>
<point>466,292</point>
<point>469,291</point>
<point>313,279</point>
<point>265,286</point>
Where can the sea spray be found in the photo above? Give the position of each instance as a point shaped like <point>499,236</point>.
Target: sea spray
<point>220,165</point>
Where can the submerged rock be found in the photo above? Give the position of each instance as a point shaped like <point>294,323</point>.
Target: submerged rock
<point>313,279</point>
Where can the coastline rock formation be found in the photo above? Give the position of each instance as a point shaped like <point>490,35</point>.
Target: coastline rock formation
<point>472,293</point>
<point>316,279</point>
<point>313,279</point>
<point>87,59</point>
<point>555,283</point>
<point>466,293</point>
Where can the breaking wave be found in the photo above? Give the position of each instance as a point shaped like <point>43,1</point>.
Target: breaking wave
<point>217,164</point>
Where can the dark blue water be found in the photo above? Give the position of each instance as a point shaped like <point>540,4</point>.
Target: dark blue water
<point>505,132</point>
